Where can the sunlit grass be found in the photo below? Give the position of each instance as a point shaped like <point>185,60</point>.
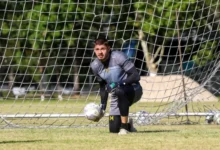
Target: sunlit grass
<point>75,105</point>
<point>83,134</point>
<point>182,137</point>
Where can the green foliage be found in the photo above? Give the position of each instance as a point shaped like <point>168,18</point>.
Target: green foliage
<point>51,25</point>
<point>14,33</point>
<point>41,30</point>
<point>159,19</point>
<point>206,53</point>
<point>44,33</point>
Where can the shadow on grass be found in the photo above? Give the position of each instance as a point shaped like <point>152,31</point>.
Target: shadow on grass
<point>14,142</point>
<point>157,131</point>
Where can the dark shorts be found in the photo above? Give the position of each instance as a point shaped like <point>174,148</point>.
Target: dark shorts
<point>132,92</point>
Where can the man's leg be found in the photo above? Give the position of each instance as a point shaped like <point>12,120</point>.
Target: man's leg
<point>114,123</point>
<point>124,119</point>
<point>124,104</point>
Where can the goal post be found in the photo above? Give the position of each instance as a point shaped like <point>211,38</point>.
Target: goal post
<point>46,48</point>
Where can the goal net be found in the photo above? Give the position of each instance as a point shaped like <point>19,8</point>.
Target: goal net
<point>46,48</point>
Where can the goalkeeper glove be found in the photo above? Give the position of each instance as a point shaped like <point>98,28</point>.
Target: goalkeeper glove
<point>110,87</point>
<point>101,114</point>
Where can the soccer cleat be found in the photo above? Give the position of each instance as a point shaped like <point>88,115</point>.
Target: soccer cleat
<point>132,128</point>
<point>123,131</point>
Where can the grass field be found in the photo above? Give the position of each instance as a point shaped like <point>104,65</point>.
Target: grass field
<point>181,137</point>
<point>76,107</point>
<point>150,137</point>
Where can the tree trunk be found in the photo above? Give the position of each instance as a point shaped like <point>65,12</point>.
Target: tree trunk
<point>152,65</point>
<point>58,86</point>
<point>11,79</point>
<point>43,79</point>
<point>76,78</point>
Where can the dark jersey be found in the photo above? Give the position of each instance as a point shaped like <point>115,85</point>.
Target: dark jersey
<point>118,68</point>
<point>115,70</point>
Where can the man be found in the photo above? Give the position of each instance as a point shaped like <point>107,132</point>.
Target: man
<point>118,77</point>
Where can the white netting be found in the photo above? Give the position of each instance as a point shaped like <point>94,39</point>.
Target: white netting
<point>46,48</point>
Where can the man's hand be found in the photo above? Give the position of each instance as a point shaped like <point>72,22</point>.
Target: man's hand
<point>111,86</point>
<point>101,114</point>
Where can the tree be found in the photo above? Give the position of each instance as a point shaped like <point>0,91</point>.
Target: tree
<point>13,43</point>
<point>102,18</point>
<point>44,33</point>
<point>158,21</point>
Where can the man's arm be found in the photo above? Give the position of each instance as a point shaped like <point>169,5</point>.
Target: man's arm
<point>103,94</point>
<point>128,66</point>
<point>133,76</point>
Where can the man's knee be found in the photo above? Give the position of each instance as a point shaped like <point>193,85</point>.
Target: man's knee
<point>119,92</point>
<point>114,123</point>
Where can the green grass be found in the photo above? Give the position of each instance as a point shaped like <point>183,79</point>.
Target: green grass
<point>182,137</point>
<point>76,105</point>
<point>152,137</point>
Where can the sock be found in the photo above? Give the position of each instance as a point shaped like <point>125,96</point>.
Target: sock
<point>125,126</point>
<point>129,127</point>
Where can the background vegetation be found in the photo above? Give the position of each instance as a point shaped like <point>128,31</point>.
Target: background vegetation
<point>47,42</point>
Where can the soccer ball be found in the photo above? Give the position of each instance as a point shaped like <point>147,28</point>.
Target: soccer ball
<point>209,119</point>
<point>216,118</point>
<point>142,117</point>
<point>92,111</point>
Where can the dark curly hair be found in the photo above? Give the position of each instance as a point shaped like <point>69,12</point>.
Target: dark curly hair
<point>101,41</point>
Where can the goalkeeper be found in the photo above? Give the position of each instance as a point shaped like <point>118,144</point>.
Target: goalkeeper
<point>118,77</point>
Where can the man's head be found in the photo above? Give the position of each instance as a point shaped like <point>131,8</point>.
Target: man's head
<point>102,49</point>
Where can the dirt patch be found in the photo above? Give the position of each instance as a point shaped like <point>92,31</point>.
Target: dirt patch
<point>169,88</point>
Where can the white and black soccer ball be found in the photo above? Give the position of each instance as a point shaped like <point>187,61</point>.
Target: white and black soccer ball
<point>209,119</point>
<point>142,117</point>
<point>216,118</point>
<point>92,111</point>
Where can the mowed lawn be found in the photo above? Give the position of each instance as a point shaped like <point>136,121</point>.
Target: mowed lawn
<point>153,137</point>
<point>149,137</point>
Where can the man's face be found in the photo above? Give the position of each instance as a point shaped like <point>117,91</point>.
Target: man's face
<point>102,52</point>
